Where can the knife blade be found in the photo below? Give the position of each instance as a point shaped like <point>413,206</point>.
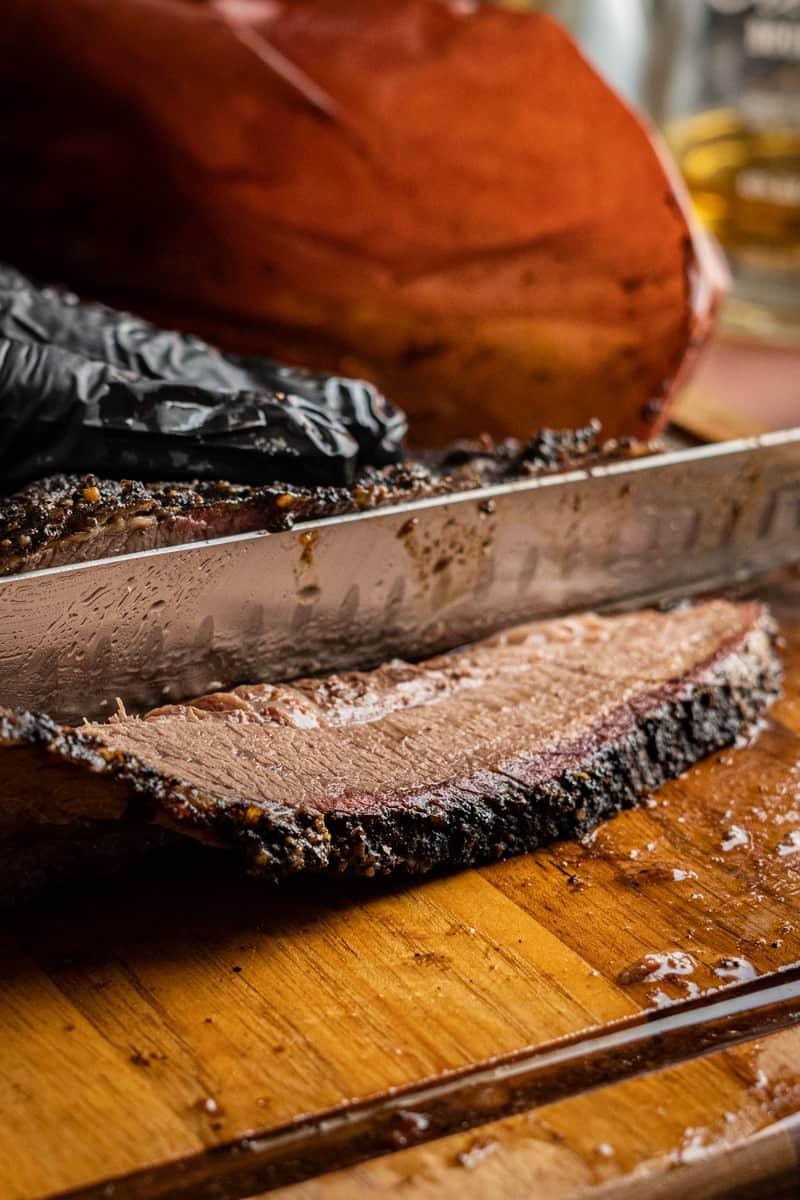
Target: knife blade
<point>409,580</point>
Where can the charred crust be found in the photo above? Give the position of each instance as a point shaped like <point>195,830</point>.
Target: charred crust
<point>473,821</point>
<point>461,822</point>
<point>67,509</point>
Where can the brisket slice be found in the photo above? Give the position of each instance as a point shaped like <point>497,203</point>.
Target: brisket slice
<point>533,735</point>
<point>72,518</point>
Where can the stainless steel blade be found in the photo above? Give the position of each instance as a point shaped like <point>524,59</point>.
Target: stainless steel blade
<point>408,580</point>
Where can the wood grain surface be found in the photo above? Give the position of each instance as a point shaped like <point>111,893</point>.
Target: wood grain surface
<point>721,1125</point>
<point>186,1037</point>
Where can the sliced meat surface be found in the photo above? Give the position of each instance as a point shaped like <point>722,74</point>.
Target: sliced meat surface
<point>534,734</point>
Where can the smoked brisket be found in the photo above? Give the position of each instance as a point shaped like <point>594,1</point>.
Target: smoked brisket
<point>77,518</point>
<point>445,198</point>
<point>532,735</point>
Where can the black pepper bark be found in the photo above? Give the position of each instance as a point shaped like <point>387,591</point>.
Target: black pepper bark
<point>461,822</point>
<point>44,522</point>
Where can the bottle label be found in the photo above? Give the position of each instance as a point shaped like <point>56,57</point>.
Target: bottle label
<point>766,29</point>
<point>755,55</point>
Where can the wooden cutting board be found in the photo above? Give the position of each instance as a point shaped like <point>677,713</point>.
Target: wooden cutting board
<point>570,1023</point>
<point>185,1037</point>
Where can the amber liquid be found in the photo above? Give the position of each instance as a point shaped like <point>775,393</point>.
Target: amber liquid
<point>745,184</point>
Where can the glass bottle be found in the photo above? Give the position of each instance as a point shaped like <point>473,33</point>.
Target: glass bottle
<point>731,114</point>
<point>722,80</point>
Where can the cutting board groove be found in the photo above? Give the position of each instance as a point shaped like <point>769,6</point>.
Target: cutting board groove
<point>485,1093</point>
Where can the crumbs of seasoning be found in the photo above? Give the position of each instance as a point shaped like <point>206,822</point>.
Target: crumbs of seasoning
<point>236,970</point>
<point>308,541</point>
<point>408,527</point>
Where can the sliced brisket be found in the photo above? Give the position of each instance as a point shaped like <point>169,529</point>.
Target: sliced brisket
<point>535,734</point>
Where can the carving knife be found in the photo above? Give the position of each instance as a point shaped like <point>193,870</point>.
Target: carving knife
<point>408,580</point>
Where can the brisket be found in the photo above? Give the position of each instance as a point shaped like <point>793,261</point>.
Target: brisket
<point>445,197</point>
<point>532,735</point>
<point>73,518</point>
